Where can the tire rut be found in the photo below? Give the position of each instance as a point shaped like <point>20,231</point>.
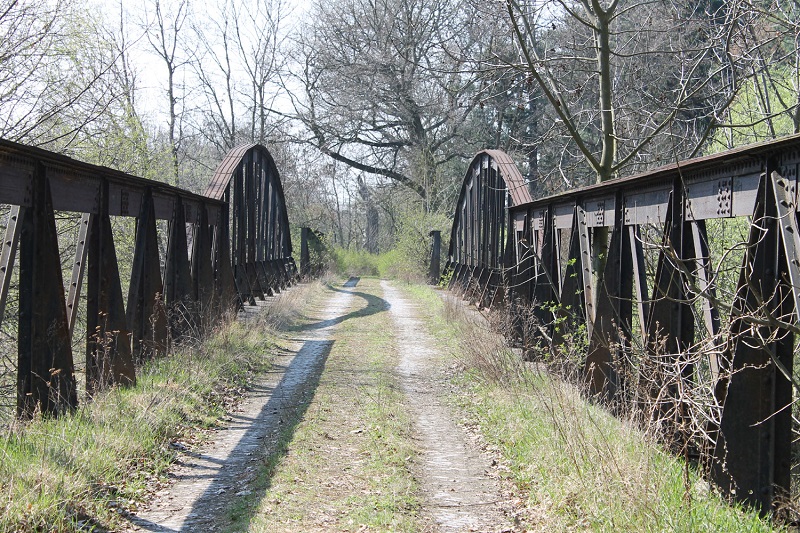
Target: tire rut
<point>458,493</point>
<point>207,482</point>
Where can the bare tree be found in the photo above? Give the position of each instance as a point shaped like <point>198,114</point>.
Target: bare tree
<point>164,27</point>
<point>214,67</point>
<point>623,77</point>
<point>53,72</point>
<point>387,88</point>
<point>237,66</point>
<point>635,83</point>
<point>261,37</point>
<point>373,217</point>
<point>768,102</point>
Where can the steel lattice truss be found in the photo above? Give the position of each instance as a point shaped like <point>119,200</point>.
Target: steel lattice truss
<point>577,262</point>
<point>221,249</point>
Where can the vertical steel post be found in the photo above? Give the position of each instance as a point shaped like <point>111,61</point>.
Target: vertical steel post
<point>612,322</point>
<point>571,313</point>
<point>670,326</point>
<point>436,257</point>
<point>45,370</point>
<point>543,283</point>
<point>203,271</point>
<point>224,279</point>
<point>585,264</point>
<point>639,274</point>
<point>305,258</point>
<point>108,343</point>
<point>239,236</point>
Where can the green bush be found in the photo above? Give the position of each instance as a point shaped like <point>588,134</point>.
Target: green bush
<point>355,262</point>
<point>407,260</point>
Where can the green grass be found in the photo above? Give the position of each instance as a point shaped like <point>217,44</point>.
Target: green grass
<point>355,262</point>
<point>349,463</point>
<point>390,264</point>
<point>78,470</point>
<point>574,464</point>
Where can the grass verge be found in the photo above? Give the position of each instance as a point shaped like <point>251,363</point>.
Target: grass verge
<point>84,470</point>
<point>576,466</point>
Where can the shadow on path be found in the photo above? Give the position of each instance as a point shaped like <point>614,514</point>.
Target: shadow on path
<point>374,305</point>
<point>228,480</point>
<point>276,422</point>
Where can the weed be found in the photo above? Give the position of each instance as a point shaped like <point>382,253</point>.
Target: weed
<point>349,464</point>
<point>86,469</point>
<point>577,466</point>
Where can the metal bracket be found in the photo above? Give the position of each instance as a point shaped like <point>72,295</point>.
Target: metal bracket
<point>9,253</point>
<point>78,268</point>
<point>785,196</point>
<point>724,197</point>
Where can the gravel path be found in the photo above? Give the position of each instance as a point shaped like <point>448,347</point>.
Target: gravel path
<point>459,495</point>
<point>206,482</point>
<point>458,491</point>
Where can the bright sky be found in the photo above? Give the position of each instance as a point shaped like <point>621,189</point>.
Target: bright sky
<point>150,69</point>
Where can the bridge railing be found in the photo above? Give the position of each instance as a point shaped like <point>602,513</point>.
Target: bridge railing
<point>185,270</point>
<point>690,327</point>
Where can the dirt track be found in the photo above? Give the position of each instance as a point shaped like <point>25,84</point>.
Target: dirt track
<point>458,490</point>
<point>458,493</point>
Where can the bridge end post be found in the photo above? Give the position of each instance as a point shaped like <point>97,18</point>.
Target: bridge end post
<point>305,256</point>
<point>434,271</point>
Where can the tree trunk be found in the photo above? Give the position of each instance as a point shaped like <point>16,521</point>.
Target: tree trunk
<point>373,218</point>
<point>608,155</point>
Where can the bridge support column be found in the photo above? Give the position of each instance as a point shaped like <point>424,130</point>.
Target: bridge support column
<point>178,276</point>
<point>571,313</point>
<point>108,347</point>
<point>224,278</point>
<point>45,371</point>
<point>145,315</point>
<point>543,282</point>
<point>203,272</point>
<point>753,452</point>
<point>670,328</point>
<point>606,366</point>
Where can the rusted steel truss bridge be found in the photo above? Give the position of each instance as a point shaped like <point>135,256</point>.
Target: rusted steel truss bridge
<point>190,259</point>
<point>680,285</point>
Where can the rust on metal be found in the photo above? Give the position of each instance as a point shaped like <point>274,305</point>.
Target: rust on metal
<point>544,273</point>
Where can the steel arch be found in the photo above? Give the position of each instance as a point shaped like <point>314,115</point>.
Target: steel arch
<point>261,246</point>
<point>480,240</point>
